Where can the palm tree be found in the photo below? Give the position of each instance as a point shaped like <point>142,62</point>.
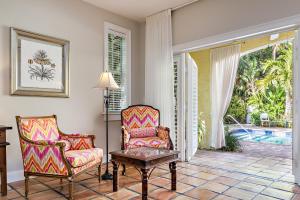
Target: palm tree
<point>278,71</point>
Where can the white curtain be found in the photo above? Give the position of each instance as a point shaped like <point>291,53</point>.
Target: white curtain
<point>159,91</point>
<point>224,63</point>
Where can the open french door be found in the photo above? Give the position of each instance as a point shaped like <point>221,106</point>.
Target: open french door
<point>186,105</point>
<point>179,99</point>
<point>191,107</point>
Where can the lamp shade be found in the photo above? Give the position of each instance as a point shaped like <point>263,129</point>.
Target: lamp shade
<point>107,81</point>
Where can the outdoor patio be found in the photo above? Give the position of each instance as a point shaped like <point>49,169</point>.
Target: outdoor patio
<point>257,173</point>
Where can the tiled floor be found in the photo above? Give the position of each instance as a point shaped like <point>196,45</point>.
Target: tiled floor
<point>209,175</point>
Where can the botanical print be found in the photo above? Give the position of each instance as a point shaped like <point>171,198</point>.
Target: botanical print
<point>41,65</point>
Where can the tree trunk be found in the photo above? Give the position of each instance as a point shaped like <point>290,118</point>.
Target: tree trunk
<point>288,106</point>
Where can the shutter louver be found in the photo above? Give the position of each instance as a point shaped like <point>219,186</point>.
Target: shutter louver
<point>117,65</point>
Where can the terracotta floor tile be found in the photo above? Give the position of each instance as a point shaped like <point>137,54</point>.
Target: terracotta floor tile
<point>49,194</point>
<point>226,180</point>
<point>286,186</point>
<point>250,187</point>
<point>85,195</point>
<point>104,188</point>
<point>183,197</point>
<point>215,187</point>
<point>11,194</point>
<point>205,176</point>
<point>223,197</point>
<point>162,194</point>
<point>240,194</point>
<point>65,189</point>
<point>193,181</point>
<point>123,194</point>
<point>138,188</point>
<point>33,188</point>
<point>187,171</point>
<point>277,193</point>
<point>203,193</point>
<point>180,187</point>
<point>160,181</point>
<point>263,197</point>
<point>259,181</point>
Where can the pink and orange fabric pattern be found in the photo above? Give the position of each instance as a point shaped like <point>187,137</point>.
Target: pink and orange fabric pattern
<point>140,117</point>
<point>140,128</point>
<point>46,150</point>
<point>143,132</point>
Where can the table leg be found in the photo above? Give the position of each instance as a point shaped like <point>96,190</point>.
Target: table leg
<point>173,175</point>
<point>3,171</point>
<point>115,176</point>
<point>145,184</point>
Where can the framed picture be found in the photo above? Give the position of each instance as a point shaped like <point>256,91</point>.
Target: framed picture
<point>39,65</point>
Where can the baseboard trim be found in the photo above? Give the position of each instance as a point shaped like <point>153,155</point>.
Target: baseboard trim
<point>13,176</point>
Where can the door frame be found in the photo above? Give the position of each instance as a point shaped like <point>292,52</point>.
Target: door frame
<point>281,25</point>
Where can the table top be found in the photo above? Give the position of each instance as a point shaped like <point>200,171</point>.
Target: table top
<point>145,153</point>
<point>5,127</point>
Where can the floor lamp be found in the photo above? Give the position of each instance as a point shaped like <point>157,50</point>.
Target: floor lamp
<point>107,82</point>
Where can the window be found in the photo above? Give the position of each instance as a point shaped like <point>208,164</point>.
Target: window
<point>117,54</point>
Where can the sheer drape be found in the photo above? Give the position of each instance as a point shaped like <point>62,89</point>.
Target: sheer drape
<point>224,62</point>
<point>159,89</point>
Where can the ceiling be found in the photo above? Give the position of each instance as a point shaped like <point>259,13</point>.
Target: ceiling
<point>137,9</point>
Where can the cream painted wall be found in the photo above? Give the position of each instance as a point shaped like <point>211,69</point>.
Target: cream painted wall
<point>82,25</point>
<point>212,17</point>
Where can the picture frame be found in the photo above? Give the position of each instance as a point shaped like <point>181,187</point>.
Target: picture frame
<point>39,65</point>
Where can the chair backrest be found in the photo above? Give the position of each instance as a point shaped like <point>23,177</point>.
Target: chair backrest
<point>264,116</point>
<point>38,128</point>
<point>140,116</point>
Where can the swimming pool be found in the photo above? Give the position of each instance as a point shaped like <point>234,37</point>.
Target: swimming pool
<point>264,136</point>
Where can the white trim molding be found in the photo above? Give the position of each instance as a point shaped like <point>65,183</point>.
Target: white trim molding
<point>265,28</point>
<point>13,176</point>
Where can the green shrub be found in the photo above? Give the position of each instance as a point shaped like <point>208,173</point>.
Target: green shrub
<point>232,142</point>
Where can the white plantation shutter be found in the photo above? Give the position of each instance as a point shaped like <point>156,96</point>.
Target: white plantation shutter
<point>192,107</point>
<point>117,62</point>
<point>176,103</point>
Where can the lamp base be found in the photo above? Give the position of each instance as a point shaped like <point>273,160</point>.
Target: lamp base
<point>107,176</point>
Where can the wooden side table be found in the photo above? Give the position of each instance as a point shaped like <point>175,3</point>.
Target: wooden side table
<point>3,168</point>
<point>146,159</point>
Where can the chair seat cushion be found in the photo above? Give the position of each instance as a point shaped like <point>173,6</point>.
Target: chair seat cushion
<point>78,158</point>
<point>154,142</point>
<point>143,132</point>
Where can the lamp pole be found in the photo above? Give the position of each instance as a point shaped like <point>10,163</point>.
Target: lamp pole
<point>106,175</point>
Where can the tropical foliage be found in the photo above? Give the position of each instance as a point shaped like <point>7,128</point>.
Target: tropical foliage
<point>264,83</point>
<point>232,142</point>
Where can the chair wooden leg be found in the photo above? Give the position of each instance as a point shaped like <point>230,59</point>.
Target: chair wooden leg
<point>61,180</point>
<point>99,173</point>
<point>124,170</point>
<point>70,188</point>
<point>26,185</point>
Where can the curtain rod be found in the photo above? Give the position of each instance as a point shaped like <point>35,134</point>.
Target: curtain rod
<point>176,7</point>
<point>183,5</point>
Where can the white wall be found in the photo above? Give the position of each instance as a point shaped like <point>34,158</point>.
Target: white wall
<point>212,17</point>
<point>82,25</point>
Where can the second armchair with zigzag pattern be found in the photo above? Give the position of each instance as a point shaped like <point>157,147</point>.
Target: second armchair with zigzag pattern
<point>141,128</point>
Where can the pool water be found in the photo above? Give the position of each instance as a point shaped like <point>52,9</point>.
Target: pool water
<point>264,136</point>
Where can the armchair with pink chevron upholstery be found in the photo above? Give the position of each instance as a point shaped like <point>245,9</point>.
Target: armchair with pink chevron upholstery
<point>141,128</point>
<point>46,151</point>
